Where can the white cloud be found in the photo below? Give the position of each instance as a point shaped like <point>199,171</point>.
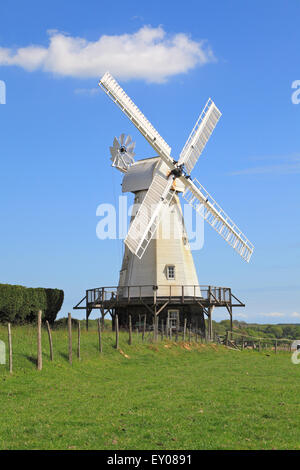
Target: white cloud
<point>149,54</point>
<point>272,314</point>
<point>296,314</point>
<point>289,164</point>
<point>87,91</point>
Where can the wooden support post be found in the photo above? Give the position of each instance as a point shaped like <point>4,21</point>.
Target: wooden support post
<point>190,332</point>
<point>50,340</point>
<point>155,322</point>
<point>130,330</point>
<point>99,336</point>
<point>210,329</point>
<point>70,338</point>
<point>243,343</point>
<point>153,327</point>
<point>259,346</point>
<point>196,331</point>
<point>117,331</point>
<point>86,311</point>
<point>78,340</point>
<point>184,330</point>
<point>10,348</point>
<point>144,328</point>
<point>167,326</point>
<point>227,338</point>
<point>39,342</point>
<point>162,330</point>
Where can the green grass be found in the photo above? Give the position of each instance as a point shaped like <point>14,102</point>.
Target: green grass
<point>205,397</point>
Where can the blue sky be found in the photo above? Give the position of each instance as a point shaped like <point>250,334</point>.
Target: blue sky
<point>56,128</point>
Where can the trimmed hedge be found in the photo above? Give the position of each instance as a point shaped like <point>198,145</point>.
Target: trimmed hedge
<point>20,304</point>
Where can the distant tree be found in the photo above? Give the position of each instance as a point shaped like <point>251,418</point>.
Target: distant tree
<point>289,331</point>
<point>19,304</point>
<point>275,331</point>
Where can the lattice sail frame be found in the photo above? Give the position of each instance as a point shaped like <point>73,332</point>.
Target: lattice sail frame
<point>144,224</point>
<point>205,205</point>
<point>118,95</point>
<point>199,136</point>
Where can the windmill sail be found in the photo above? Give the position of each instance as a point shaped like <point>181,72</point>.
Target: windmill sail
<point>144,225</point>
<point>199,136</point>
<point>207,207</point>
<point>118,95</point>
<point>159,194</point>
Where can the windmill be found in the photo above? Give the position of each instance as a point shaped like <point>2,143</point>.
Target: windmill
<point>155,268</point>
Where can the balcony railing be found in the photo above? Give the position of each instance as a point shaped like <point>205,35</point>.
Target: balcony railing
<point>181,293</point>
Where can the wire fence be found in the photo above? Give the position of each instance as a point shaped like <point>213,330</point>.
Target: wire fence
<point>35,341</point>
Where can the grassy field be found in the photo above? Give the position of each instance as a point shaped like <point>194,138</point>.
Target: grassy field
<point>164,396</point>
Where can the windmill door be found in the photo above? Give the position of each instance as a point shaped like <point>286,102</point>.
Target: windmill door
<point>173,319</point>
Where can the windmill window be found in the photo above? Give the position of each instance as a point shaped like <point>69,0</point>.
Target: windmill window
<point>171,272</point>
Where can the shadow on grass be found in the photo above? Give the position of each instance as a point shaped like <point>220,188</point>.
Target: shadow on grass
<point>64,356</point>
<point>31,359</point>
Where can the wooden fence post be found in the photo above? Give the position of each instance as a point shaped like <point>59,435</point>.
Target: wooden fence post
<point>117,331</point>
<point>130,330</point>
<point>10,348</point>
<point>184,330</point>
<point>275,346</point>
<point>50,340</point>
<point>39,342</point>
<point>70,337</point>
<point>78,341</point>
<point>227,338</point>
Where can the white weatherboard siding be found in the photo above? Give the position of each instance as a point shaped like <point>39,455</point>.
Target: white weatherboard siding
<point>174,250</point>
